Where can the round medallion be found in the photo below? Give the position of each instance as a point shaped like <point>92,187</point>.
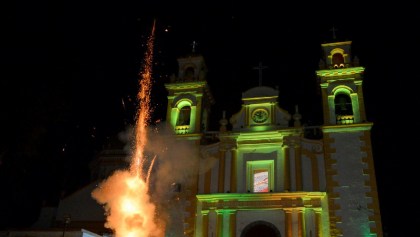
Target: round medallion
<point>259,115</point>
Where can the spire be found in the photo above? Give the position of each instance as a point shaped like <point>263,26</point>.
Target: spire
<point>223,122</point>
<point>297,117</point>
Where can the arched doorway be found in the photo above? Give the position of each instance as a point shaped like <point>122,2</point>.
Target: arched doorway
<point>260,229</point>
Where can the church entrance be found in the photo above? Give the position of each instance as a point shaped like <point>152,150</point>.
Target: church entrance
<point>260,229</point>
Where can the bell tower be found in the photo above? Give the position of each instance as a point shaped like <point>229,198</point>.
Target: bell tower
<point>188,110</point>
<point>341,80</point>
<point>350,173</point>
<point>189,97</point>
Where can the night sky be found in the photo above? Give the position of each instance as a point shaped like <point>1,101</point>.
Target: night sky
<point>67,68</point>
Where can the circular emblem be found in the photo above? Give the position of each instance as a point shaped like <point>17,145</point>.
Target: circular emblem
<point>259,115</point>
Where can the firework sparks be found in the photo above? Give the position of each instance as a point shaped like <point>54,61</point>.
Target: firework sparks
<point>125,195</point>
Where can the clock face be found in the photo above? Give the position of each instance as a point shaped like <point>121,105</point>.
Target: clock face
<point>259,115</point>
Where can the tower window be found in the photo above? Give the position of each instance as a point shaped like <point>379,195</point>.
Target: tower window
<point>338,60</point>
<point>184,116</point>
<point>343,105</point>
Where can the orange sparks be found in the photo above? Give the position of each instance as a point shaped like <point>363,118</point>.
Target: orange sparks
<point>144,108</point>
<point>130,213</point>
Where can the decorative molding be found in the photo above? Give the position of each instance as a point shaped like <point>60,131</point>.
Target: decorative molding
<point>261,201</point>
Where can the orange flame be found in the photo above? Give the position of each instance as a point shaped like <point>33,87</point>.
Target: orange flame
<point>130,213</point>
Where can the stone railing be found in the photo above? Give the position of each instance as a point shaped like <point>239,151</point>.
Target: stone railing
<point>184,129</point>
<point>345,119</point>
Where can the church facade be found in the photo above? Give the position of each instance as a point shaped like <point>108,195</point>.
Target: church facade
<point>267,177</point>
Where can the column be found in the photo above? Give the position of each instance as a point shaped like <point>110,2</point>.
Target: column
<point>234,154</point>
<point>326,108</point>
<point>286,167</point>
<point>205,223</point>
<point>361,103</point>
<point>197,114</point>
<point>221,178</point>
<point>289,222</point>
<point>298,168</point>
<point>219,223</point>
<point>301,224</point>
<point>318,222</point>
<point>169,110</point>
<point>232,223</point>
<point>194,120</point>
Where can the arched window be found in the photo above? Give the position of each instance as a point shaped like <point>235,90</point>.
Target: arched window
<point>338,60</point>
<point>184,116</point>
<point>343,104</point>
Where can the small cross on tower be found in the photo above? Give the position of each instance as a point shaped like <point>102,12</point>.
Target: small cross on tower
<point>260,68</point>
<point>333,29</point>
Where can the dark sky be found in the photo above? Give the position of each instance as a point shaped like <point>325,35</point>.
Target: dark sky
<point>67,67</point>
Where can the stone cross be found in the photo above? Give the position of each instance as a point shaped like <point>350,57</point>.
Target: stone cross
<point>333,29</point>
<point>260,68</point>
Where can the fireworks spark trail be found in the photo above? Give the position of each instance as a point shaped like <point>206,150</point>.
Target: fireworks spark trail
<point>149,172</point>
<point>129,210</point>
<point>143,113</point>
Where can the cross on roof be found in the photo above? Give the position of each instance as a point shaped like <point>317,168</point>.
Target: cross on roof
<point>333,29</point>
<point>260,68</point>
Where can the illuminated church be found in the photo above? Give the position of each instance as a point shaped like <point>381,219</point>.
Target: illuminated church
<point>270,178</point>
<point>269,175</point>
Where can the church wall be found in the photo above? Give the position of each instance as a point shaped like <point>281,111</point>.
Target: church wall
<point>307,174</point>
<point>312,164</point>
<point>215,177</point>
<point>310,222</point>
<point>292,169</point>
<point>322,177</point>
<point>313,172</point>
<point>303,221</point>
<point>201,179</point>
<point>313,154</point>
<point>309,155</point>
<point>351,179</point>
<point>208,169</point>
<point>227,158</point>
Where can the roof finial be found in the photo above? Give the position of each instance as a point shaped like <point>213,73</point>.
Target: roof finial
<point>194,45</point>
<point>297,117</point>
<point>260,68</point>
<point>223,122</point>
